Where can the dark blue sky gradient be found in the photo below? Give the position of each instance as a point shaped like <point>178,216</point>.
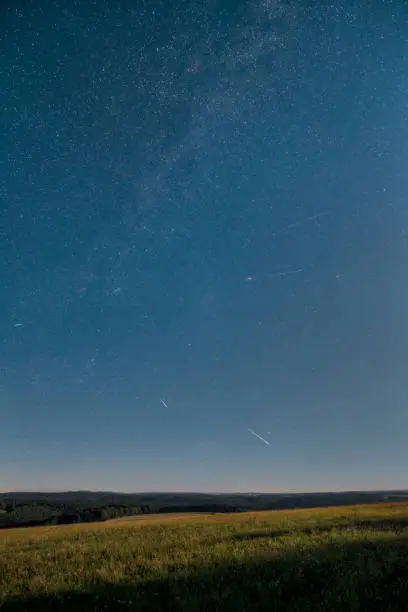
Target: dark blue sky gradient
<point>205,204</point>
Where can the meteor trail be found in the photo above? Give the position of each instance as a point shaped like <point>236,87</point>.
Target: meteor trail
<point>285,273</point>
<point>307,219</point>
<point>258,436</point>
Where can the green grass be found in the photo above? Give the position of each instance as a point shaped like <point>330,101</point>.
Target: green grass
<point>336,559</point>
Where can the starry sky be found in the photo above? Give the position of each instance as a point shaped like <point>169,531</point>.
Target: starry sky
<point>203,237</point>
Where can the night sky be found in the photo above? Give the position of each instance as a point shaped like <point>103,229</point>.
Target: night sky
<point>203,237</point>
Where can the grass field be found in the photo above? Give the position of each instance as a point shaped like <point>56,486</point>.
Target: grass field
<point>349,558</point>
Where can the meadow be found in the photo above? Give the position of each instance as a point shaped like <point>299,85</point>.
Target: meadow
<point>337,559</point>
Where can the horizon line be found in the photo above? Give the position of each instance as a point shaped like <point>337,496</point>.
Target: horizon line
<point>194,492</point>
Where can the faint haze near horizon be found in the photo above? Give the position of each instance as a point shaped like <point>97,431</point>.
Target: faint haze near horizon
<point>203,233</point>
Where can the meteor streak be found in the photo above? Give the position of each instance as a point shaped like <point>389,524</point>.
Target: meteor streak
<point>258,436</point>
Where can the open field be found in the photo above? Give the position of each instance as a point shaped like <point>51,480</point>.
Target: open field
<point>162,517</point>
<point>347,558</point>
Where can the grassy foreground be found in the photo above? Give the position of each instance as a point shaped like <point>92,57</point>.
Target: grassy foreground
<point>349,558</point>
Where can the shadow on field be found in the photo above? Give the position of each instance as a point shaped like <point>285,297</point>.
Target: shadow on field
<point>354,577</point>
<point>396,525</point>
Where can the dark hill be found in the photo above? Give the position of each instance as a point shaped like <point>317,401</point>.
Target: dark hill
<point>29,509</point>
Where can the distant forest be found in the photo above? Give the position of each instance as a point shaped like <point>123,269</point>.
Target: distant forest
<point>33,509</point>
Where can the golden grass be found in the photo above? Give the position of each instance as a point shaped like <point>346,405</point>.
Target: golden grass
<point>345,558</point>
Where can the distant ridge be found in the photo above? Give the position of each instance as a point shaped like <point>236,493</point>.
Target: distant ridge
<point>24,509</point>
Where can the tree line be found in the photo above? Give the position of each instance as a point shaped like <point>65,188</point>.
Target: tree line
<point>35,514</point>
<point>34,509</point>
